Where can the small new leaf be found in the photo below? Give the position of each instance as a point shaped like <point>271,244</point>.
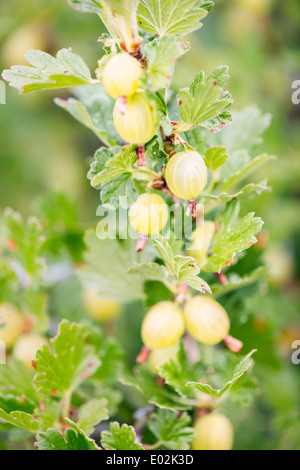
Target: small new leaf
<point>215,157</point>
<point>120,438</point>
<point>232,236</point>
<point>66,70</point>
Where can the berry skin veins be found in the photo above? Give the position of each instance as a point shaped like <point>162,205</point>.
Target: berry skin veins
<point>163,326</point>
<point>121,75</point>
<point>149,214</point>
<point>206,320</point>
<point>186,174</point>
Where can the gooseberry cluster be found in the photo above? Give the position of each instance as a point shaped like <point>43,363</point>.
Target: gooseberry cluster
<point>17,336</point>
<point>134,114</point>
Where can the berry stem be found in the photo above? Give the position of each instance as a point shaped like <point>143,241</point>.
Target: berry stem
<point>141,243</point>
<point>233,344</point>
<point>140,152</point>
<point>143,355</point>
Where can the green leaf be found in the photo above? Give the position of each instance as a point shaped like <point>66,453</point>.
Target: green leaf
<point>21,420</point>
<point>246,169</point>
<point>142,380</point>
<point>92,413</point>
<point>74,439</point>
<point>116,166</point>
<point>107,264</point>
<point>166,17</point>
<point>215,157</point>
<point>120,438</point>
<point>232,236</point>
<point>172,431</point>
<point>16,381</point>
<point>178,373</point>
<point>102,155</point>
<point>66,70</point>
<point>161,57</point>
<point>181,268</point>
<point>203,101</point>
<point>250,188</point>
<point>88,6</point>
<point>94,109</point>
<point>69,362</point>
<point>237,282</point>
<point>28,239</point>
<point>244,365</point>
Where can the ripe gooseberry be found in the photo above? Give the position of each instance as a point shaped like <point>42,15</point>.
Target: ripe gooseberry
<point>202,237</point>
<point>136,119</point>
<point>213,432</point>
<point>26,347</point>
<point>149,214</point>
<point>121,75</point>
<point>186,174</point>
<point>162,326</point>
<point>98,308</point>
<point>206,320</point>
<point>12,323</point>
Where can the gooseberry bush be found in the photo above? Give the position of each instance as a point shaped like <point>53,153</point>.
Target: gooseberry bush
<point>172,379</point>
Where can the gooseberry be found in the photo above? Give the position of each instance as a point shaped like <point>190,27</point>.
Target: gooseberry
<point>213,432</point>
<point>136,119</point>
<point>121,75</point>
<point>149,214</point>
<point>99,308</point>
<point>186,174</point>
<point>26,347</point>
<point>162,326</point>
<point>202,237</point>
<point>12,323</point>
<point>206,320</point>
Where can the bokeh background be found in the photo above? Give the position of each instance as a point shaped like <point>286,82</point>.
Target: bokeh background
<point>43,151</point>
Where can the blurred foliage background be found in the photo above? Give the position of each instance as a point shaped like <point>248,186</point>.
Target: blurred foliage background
<point>43,150</point>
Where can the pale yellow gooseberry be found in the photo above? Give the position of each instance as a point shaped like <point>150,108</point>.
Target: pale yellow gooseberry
<point>121,75</point>
<point>99,308</point>
<point>163,326</point>
<point>26,347</point>
<point>186,174</point>
<point>136,119</point>
<point>202,237</point>
<point>206,320</point>
<point>213,432</point>
<point>149,214</point>
<point>12,324</point>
